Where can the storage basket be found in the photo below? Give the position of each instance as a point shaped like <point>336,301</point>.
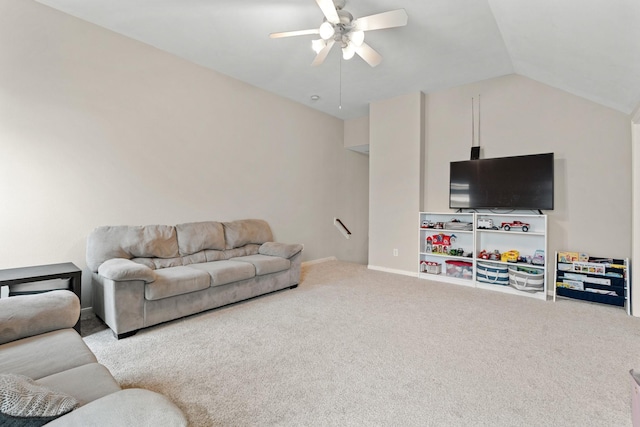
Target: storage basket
<point>494,274</point>
<point>460,269</point>
<point>526,278</point>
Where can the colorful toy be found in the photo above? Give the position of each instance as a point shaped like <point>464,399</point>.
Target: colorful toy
<point>538,257</point>
<point>506,226</point>
<point>441,243</point>
<point>510,256</point>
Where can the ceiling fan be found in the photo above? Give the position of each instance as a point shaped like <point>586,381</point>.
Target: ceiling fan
<point>339,26</point>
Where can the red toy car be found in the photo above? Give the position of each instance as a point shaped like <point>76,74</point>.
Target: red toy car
<point>506,226</point>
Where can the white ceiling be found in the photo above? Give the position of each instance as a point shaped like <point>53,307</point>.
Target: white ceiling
<point>590,48</point>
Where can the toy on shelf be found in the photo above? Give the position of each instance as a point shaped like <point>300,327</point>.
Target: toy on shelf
<point>506,226</point>
<point>431,267</point>
<point>510,256</point>
<point>456,224</point>
<point>494,255</point>
<point>486,224</point>
<point>440,243</point>
<point>538,257</point>
<point>427,224</point>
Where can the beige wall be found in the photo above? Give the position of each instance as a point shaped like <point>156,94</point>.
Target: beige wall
<point>395,184</point>
<point>592,146</point>
<point>635,255</point>
<point>99,129</point>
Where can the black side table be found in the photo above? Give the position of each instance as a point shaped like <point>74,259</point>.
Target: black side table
<point>67,270</point>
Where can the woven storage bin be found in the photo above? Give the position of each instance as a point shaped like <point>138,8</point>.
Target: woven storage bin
<point>526,278</point>
<point>491,273</point>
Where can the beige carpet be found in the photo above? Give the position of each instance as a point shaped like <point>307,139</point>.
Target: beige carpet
<point>354,347</point>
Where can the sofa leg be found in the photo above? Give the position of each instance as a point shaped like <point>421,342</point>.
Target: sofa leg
<point>293,286</point>
<point>125,335</point>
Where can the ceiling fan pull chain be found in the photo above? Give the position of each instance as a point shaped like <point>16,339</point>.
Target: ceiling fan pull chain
<point>340,98</point>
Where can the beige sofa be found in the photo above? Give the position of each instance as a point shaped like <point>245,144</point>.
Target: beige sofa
<point>146,275</point>
<point>45,365</point>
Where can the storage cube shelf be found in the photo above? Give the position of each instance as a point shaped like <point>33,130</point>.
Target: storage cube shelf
<point>442,237</point>
<point>456,242</point>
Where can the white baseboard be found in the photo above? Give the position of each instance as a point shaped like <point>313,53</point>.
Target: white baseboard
<point>318,261</point>
<point>394,271</point>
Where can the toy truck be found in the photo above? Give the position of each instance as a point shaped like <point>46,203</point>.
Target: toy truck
<point>486,224</point>
<point>506,226</point>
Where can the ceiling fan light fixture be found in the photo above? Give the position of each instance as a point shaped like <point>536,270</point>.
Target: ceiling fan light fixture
<point>357,38</point>
<point>318,45</point>
<point>326,30</point>
<point>348,51</point>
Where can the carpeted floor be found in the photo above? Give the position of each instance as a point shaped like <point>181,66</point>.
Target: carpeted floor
<point>355,347</point>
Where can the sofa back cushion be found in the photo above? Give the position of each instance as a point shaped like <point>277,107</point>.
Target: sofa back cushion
<point>246,231</point>
<point>124,241</point>
<point>198,236</point>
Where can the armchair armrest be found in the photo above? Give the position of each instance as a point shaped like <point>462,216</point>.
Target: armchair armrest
<point>28,315</point>
<point>122,269</point>
<point>284,250</point>
<point>129,407</point>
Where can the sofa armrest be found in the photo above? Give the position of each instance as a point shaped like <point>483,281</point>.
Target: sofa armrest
<point>122,270</point>
<point>283,250</point>
<point>129,407</point>
<point>28,315</point>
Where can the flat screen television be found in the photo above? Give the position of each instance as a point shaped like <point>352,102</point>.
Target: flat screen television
<point>519,182</point>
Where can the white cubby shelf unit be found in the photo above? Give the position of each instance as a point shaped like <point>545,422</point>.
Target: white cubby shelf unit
<point>488,232</point>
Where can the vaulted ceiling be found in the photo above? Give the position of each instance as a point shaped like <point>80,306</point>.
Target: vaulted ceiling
<point>590,48</point>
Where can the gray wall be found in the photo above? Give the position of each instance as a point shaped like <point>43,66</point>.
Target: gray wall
<point>97,129</point>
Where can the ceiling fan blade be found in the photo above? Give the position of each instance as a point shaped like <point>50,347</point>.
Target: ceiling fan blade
<point>294,33</point>
<point>329,10</point>
<point>320,57</point>
<point>370,56</point>
<point>393,18</point>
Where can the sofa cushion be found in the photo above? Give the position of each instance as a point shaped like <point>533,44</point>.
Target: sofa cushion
<point>28,315</point>
<point>121,269</point>
<point>166,262</point>
<point>176,281</point>
<point>242,251</point>
<point>29,402</point>
<point>213,255</point>
<point>74,382</point>
<point>45,354</point>
<point>265,264</point>
<point>245,231</point>
<point>129,407</point>
<point>223,272</point>
<point>197,236</point>
<point>123,241</point>
<point>194,258</point>
<point>283,250</point>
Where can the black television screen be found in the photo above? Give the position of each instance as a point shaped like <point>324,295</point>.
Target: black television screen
<point>519,182</point>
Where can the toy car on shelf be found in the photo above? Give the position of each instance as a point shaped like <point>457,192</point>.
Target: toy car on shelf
<point>538,257</point>
<point>486,224</point>
<point>510,256</point>
<point>427,224</point>
<point>506,226</point>
<point>484,254</point>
